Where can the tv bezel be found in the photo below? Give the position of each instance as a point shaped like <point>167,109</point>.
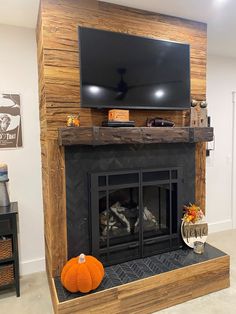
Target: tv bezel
<point>130,107</point>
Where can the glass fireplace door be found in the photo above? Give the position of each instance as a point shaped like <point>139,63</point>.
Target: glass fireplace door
<point>134,213</point>
<point>161,195</point>
<point>117,209</point>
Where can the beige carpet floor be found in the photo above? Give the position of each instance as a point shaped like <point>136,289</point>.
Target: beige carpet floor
<point>35,296</point>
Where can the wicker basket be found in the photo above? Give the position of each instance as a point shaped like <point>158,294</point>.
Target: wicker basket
<point>6,275</point>
<point>5,248</point>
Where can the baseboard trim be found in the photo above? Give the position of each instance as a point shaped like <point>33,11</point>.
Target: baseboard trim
<point>220,226</point>
<point>38,265</point>
<point>32,266</point>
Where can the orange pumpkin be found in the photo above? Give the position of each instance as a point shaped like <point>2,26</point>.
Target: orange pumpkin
<point>82,273</point>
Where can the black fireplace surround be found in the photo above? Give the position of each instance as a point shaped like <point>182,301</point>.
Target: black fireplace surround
<point>126,201</point>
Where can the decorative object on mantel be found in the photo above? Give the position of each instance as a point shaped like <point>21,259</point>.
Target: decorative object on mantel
<point>118,118</point>
<point>118,115</point>
<point>4,197</point>
<point>199,113</point>
<point>159,122</point>
<point>202,104</point>
<point>83,273</point>
<point>73,120</point>
<point>194,226</point>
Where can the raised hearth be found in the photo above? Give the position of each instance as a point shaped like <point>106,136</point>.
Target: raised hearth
<point>117,275</point>
<point>149,284</point>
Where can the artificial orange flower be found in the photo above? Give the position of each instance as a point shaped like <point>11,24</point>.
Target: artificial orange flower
<point>192,214</point>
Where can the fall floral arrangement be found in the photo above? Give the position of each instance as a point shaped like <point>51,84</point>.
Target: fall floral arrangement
<point>192,213</point>
<point>73,120</point>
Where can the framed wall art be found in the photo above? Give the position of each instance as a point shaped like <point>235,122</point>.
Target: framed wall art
<point>10,121</point>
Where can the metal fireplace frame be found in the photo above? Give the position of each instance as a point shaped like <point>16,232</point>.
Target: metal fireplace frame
<point>174,239</point>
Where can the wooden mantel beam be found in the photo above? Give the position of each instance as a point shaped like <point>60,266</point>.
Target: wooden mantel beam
<point>136,135</point>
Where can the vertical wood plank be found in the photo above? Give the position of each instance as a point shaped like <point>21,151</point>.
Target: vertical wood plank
<point>200,175</point>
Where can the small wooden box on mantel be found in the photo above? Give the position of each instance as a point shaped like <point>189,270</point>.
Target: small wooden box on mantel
<point>118,115</point>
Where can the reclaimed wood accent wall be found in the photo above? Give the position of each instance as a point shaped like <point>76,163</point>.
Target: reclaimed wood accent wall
<point>59,89</point>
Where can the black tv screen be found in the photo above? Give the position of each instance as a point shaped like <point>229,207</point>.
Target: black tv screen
<point>126,71</point>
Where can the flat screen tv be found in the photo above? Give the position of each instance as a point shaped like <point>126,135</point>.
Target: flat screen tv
<point>132,72</point>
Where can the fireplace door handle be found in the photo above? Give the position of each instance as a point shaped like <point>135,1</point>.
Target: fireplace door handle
<point>133,245</point>
<point>148,242</point>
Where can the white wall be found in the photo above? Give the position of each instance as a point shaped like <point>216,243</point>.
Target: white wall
<point>18,74</point>
<point>221,81</point>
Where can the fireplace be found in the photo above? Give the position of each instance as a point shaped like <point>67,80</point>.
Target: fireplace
<point>135,213</point>
<point>125,201</point>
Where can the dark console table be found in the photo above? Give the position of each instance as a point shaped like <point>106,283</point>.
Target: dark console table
<point>9,259</point>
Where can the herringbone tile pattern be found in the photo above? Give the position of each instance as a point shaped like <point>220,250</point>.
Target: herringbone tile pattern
<point>123,273</point>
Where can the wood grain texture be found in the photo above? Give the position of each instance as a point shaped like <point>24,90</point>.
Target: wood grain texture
<point>200,175</point>
<point>59,90</point>
<point>154,293</point>
<point>141,135</point>
<point>61,53</point>
<point>57,202</point>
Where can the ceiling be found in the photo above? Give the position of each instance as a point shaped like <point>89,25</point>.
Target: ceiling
<point>219,14</point>
<point>19,12</point>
